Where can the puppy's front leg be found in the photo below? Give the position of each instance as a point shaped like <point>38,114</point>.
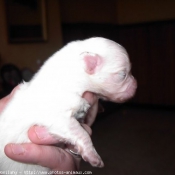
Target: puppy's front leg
<point>73,133</point>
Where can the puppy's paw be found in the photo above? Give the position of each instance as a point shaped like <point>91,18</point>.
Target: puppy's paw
<point>93,158</point>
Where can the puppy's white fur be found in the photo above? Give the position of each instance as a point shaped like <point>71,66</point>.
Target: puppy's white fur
<point>53,98</point>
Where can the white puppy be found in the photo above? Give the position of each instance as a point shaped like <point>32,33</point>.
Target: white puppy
<point>53,98</point>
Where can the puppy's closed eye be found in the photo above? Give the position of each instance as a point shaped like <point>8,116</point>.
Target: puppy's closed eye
<point>120,76</point>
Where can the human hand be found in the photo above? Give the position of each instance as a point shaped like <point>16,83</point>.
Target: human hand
<point>42,151</point>
<point>55,158</point>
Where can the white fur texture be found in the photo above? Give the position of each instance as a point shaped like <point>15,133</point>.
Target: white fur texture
<point>53,98</point>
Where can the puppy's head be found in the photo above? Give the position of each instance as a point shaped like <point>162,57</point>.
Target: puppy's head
<point>109,69</point>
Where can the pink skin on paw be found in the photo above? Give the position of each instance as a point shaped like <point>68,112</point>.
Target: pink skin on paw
<point>92,157</point>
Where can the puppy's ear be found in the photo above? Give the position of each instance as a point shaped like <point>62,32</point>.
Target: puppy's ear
<point>92,62</point>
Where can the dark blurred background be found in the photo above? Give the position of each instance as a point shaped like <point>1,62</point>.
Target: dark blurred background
<point>141,132</point>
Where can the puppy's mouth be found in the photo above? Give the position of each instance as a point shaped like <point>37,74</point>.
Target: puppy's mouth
<point>129,92</point>
<point>121,96</point>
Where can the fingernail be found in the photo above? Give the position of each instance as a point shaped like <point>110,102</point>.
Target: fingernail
<point>17,149</point>
<point>41,132</point>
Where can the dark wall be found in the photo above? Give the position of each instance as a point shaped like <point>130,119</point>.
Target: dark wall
<point>151,48</point>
